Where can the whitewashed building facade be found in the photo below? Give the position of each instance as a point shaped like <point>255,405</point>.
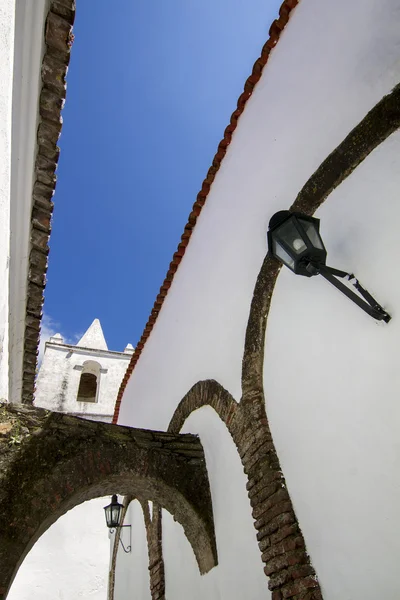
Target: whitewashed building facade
<point>81,379</point>
<point>35,44</point>
<point>318,134</point>
<point>291,387</point>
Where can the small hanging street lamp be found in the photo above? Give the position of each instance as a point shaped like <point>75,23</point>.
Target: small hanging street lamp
<point>113,514</point>
<point>294,239</point>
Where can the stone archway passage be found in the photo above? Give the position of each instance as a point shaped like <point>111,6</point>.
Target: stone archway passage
<point>51,462</point>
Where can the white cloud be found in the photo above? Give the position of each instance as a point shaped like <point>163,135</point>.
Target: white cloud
<point>75,338</point>
<point>49,328</point>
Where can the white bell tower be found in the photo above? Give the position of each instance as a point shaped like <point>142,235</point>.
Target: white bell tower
<point>81,380</point>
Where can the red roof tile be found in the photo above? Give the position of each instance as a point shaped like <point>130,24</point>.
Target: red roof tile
<point>274,33</point>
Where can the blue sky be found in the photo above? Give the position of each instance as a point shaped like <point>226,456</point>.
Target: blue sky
<point>151,87</point>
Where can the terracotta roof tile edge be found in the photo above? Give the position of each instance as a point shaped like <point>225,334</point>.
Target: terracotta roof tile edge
<point>275,31</point>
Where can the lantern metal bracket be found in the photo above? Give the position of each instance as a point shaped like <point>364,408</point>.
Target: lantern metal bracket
<point>367,303</point>
<point>128,548</point>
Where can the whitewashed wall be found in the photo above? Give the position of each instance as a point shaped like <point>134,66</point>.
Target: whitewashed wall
<point>59,376</point>
<point>28,54</point>
<point>340,406</point>
<point>313,92</point>
<point>70,560</point>
<point>333,63</point>
<point>6,73</point>
<point>21,50</point>
<point>240,573</point>
<point>132,569</point>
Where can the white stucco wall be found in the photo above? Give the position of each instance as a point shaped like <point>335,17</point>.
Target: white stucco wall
<point>339,408</point>
<point>70,560</point>
<point>6,74</point>
<point>132,569</point>
<point>240,573</point>
<point>21,51</point>
<point>59,376</point>
<point>333,63</point>
<point>311,95</point>
<point>29,48</point>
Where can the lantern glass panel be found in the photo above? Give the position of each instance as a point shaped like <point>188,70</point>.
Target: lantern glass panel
<point>107,511</point>
<point>115,512</point>
<point>312,233</point>
<point>112,512</point>
<point>283,255</point>
<point>289,234</point>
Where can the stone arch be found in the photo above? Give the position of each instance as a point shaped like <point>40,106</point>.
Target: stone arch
<point>63,461</point>
<point>202,393</point>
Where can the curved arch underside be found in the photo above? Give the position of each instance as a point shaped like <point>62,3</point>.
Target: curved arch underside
<point>54,462</point>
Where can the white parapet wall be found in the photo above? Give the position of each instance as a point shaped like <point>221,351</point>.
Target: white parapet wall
<point>21,51</point>
<point>7,9</point>
<point>30,19</point>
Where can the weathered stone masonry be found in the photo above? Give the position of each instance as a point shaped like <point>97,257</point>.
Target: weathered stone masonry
<point>58,40</point>
<point>154,546</point>
<point>51,462</point>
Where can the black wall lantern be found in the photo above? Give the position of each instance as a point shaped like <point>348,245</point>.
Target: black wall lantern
<point>113,514</point>
<point>294,239</point>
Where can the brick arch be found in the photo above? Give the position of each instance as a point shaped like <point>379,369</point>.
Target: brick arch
<point>280,539</point>
<point>56,462</point>
<point>279,536</point>
<point>381,121</point>
<point>153,527</point>
<point>204,393</point>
